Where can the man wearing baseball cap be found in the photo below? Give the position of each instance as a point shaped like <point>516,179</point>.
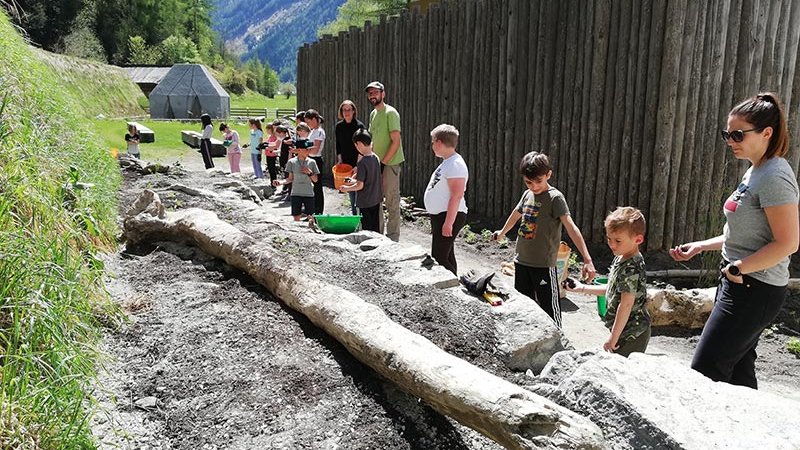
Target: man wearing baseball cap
<point>384,125</point>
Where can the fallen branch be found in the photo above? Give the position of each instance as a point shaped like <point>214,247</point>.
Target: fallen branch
<point>512,416</point>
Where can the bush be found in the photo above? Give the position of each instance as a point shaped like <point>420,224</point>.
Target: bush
<point>139,53</point>
<point>234,81</point>
<point>793,345</point>
<point>83,43</point>
<point>288,89</point>
<point>178,49</point>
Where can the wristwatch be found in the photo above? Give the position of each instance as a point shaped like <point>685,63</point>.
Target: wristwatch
<point>734,270</point>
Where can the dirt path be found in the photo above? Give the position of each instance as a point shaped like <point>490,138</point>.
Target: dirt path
<point>211,360</point>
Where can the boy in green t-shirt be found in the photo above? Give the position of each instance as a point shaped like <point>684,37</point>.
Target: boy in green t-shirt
<point>627,315</point>
<point>542,211</point>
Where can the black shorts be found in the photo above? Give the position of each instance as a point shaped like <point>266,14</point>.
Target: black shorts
<point>302,204</point>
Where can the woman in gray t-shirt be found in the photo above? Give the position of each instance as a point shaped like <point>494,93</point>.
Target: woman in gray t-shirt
<point>761,232</point>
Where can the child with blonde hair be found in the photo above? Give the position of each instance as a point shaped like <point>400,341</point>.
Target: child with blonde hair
<point>627,317</point>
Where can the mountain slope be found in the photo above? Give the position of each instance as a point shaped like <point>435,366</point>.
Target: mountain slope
<point>273,30</point>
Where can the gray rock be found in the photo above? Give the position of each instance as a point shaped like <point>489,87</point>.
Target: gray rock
<point>362,236</point>
<point>648,401</point>
<point>372,244</point>
<point>146,403</point>
<point>149,203</point>
<point>411,273</point>
<point>681,308</point>
<point>396,252</point>
<point>527,337</point>
<point>192,191</point>
<point>227,184</point>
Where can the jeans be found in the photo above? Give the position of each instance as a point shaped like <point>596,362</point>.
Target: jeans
<point>255,158</point>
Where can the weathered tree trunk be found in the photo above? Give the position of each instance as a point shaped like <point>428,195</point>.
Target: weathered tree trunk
<point>512,416</point>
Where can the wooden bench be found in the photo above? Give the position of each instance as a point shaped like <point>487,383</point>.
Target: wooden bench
<point>146,135</point>
<point>192,139</point>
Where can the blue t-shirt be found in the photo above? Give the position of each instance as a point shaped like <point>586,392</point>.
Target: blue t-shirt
<point>255,139</point>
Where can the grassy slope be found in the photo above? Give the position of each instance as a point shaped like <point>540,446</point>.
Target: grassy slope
<point>51,295</point>
<point>99,88</point>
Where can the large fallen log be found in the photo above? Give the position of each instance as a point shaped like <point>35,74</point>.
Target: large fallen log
<point>512,416</point>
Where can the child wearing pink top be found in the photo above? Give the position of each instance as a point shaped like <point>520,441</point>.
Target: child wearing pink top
<point>271,152</point>
<point>234,150</point>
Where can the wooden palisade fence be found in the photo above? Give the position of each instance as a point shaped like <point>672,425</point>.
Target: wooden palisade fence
<point>627,97</point>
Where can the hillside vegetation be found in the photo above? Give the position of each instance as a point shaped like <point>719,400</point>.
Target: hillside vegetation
<point>57,209</point>
<point>97,88</point>
<point>272,30</point>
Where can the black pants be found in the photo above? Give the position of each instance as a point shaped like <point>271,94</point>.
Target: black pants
<point>302,205</point>
<point>272,162</point>
<point>319,196</point>
<point>442,247</point>
<point>540,284</point>
<point>727,348</point>
<point>369,218</point>
<point>205,150</point>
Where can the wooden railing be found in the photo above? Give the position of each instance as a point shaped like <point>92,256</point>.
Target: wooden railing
<point>262,112</point>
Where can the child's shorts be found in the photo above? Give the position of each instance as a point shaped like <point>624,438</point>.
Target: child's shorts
<point>300,204</point>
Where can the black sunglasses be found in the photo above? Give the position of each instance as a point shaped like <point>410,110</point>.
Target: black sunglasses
<point>736,135</point>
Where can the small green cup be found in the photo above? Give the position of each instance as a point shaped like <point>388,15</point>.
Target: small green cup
<point>602,306</point>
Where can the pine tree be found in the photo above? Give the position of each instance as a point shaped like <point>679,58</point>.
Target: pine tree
<point>271,81</point>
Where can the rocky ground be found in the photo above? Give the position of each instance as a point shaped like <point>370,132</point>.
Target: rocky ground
<point>209,359</point>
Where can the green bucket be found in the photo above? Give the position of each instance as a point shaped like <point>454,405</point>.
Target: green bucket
<point>334,224</point>
<point>602,305</point>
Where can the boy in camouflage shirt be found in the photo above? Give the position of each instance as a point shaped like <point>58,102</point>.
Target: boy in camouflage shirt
<point>627,315</point>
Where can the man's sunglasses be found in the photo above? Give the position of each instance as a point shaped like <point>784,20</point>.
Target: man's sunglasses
<point>736,135</point>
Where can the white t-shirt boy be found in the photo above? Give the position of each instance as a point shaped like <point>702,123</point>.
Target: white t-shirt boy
<point>437,194</point>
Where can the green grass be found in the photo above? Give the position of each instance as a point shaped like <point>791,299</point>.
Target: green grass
<point>793,345</point>
<point>168,146</point>
<point>255,100</point>
<point>52,299</point>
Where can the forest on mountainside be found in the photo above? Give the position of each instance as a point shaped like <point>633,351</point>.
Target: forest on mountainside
<point>272,30</point>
